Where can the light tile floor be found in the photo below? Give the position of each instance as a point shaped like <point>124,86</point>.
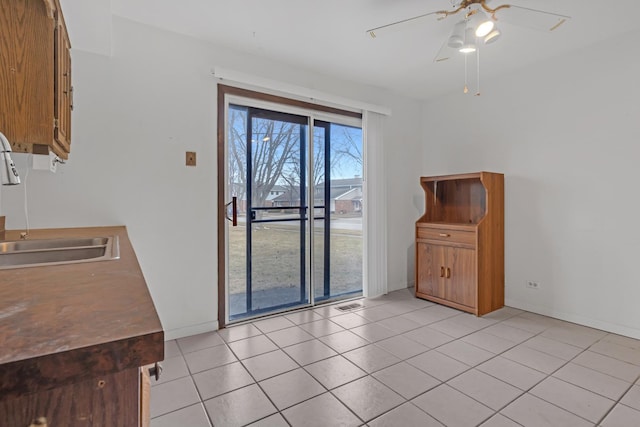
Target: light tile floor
<point>400,361</point>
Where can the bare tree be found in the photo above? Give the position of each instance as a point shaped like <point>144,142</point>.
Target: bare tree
<point>237,152</point>
<point>274,145</point>
<point>276,159</point>
<point>277,144</point>
<point>347,146</point>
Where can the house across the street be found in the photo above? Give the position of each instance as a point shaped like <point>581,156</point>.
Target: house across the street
<point>345,196</point>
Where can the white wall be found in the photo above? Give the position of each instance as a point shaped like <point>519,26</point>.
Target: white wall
<point>136,113</point>
<point>566,134</point>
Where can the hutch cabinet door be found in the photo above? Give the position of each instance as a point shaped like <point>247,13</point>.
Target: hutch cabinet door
<point>431,269</point>
<point>460,276</point>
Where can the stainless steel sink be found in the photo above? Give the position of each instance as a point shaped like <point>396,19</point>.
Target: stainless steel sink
<point>40,252</point>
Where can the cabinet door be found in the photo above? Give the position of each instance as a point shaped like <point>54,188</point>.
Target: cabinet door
<point>430,269</point>
<point>110,400</point>
<point>461,276</point>
<point>63,89</point>
<point>26,74</point>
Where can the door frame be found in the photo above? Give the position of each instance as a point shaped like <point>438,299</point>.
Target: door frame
<point>224,91</point>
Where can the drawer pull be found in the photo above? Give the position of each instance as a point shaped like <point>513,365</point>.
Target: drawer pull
<point>448,275</point>
<point>445,235</point>
<point>441,271</point>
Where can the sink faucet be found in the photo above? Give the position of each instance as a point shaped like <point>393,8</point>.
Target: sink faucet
<point>8,170</point>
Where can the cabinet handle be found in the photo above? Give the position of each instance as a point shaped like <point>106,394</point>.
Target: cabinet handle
<point>441,271</point>
<point>155,371</point>
<point>445,235</point>
<point>448,272</point>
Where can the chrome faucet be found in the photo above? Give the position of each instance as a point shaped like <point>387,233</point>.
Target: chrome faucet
<point>8,170</point>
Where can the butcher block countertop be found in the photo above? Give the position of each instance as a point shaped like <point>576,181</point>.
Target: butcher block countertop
<point>63,323</point>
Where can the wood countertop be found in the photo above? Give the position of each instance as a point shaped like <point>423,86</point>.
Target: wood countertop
<point>65,322</point>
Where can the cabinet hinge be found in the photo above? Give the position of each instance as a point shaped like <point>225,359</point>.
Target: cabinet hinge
<point>56,123</point>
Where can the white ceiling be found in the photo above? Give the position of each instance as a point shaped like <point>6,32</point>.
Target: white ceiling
<point>329,36</point>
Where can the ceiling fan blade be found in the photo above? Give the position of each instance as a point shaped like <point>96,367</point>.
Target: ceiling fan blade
<point>446,52</point>
<point>531,18</point>
<point>374,32</point>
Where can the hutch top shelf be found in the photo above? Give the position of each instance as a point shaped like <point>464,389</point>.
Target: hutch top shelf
<point>457,200</point>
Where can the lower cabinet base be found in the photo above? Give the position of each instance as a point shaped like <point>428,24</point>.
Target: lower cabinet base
<point>448,303</point>
<point>472,310</point>
<point>107,401</point>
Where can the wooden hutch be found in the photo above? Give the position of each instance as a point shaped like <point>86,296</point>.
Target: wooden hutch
<point>460,242</point>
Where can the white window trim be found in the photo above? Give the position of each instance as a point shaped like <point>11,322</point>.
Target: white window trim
<point>297,92</point>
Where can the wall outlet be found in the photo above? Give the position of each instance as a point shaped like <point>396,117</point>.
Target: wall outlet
<point>53,162</point>
<point>532,285</point>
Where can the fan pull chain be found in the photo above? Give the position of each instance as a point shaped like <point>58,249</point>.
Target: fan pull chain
<point>478,69</point>
<point>466,87</point>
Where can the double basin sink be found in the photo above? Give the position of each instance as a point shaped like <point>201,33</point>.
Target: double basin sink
<point>41,252</point>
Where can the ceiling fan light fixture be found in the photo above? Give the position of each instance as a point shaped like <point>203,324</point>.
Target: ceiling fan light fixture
<point>468,48</point>
<point>493,36</point>
<point>456,39</point>
<point>469,45</point>
<point>485,28</point>
<point>481,22</point>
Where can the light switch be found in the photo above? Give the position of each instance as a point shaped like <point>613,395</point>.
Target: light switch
<point>191,158</point>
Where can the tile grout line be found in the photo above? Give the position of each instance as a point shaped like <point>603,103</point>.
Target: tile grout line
<point>225,343</point>
<point>338,353</point>
<point>398,334</point>
<point>330,391</point>
<point>280,411</point>
<point>405,360</point>
<point>559,379</point>
<point>495,355</point>
<point>257,383</point>
<point>617,402</point>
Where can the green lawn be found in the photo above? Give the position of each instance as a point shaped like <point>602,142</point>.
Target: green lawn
<point>276,258</point>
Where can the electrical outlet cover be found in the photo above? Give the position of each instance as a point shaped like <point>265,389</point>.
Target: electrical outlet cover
<point>53,164</point>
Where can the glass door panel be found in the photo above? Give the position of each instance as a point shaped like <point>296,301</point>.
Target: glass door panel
<point>338,202</point>
<point>275,224</point>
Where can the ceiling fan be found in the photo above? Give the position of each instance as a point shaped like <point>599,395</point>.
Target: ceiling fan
<point>478,25</point>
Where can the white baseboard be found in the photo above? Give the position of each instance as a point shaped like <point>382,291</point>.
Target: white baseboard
<point>190,330</point>
<point>573,318</point>
<point>614,328</point>
<point>399,286</point>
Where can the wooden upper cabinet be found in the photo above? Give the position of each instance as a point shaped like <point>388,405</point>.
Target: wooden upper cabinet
<point>35,77</point>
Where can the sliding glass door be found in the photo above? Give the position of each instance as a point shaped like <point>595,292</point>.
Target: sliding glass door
<point>294,186</point>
